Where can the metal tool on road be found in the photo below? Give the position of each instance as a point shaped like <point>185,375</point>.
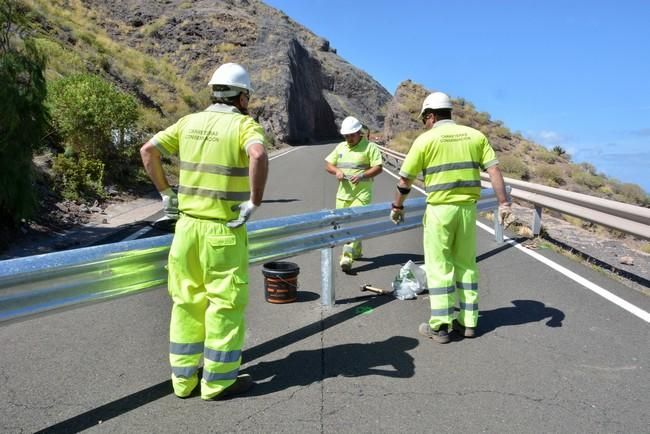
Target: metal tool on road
<point>376,290</point>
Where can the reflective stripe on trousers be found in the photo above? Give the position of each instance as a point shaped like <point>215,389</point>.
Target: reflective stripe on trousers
<point>208,284</point>
<point>450,263</point>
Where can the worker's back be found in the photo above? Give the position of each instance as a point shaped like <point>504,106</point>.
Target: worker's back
<point>213,161</point>
<point>451,157</point>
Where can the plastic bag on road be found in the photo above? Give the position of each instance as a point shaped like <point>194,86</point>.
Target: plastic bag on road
<point>410,281</point>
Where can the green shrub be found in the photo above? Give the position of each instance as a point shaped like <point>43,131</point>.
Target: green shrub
<point>403,140</point>
<point>190,100</point>
<point>550,175</point>
<point>513,167</point>
<point>91,114</point>
<point>87,38</point>
<point>149,66</point>
<point>588,180</point>
<point>78,176</point>
<point>631,193</point>
<point>23,115</point>
<point>546,156</point>
<point>502,132</point>
<point>589,168</point>
<point>559,151</point>
<point>60,60</point>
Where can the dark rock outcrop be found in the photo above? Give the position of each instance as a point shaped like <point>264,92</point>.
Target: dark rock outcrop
<point>403,110</point>
<point>303,89</point>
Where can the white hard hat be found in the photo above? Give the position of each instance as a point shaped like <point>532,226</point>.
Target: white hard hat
<point>350,125</point>
<point>435,101</point>
<point>232,75</point>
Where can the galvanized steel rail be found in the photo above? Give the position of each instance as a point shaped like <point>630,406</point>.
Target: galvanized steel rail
<point>630,219</point>
<point>42,283</point>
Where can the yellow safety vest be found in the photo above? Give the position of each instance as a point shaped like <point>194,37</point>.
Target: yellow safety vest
<point>213,161</point>
<point>354,161</point>
<point>450,157</point>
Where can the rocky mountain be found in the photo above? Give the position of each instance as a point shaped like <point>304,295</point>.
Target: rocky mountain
<point>303,89</point>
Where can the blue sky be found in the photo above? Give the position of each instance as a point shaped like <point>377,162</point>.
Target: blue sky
<point>569,73</point>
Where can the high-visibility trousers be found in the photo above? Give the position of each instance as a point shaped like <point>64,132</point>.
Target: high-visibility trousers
<point>351,251</point>
<point>450,263</point>
<point>208,284</point>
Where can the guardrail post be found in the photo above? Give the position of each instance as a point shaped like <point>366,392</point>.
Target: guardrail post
<point>327,277</point>
<point>537,220</point>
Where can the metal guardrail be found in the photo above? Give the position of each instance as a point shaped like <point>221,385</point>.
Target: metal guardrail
<point>42,283</point>
<point>630,219</point>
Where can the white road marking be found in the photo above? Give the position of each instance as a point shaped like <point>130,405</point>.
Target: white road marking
<point>285,153</point>
<point>560,269</point>
<point>139,233</point>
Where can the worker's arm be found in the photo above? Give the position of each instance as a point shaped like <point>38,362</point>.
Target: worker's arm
<point>397,207</point>
<point>332,169</point>
<point>498,184</point>
<point>499,187</point>
<point>258,170</point>
<point>153,166</point>
<point>400,196</point>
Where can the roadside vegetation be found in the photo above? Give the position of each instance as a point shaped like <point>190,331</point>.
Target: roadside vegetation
<point>24,115</point>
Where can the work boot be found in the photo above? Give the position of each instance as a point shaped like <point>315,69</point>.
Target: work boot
<point>440,336</point>
<point>346,264</point>
<point>468,332</point>
<point>242,384</point>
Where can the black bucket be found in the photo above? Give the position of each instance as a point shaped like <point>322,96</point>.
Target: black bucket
<point>280,281</point>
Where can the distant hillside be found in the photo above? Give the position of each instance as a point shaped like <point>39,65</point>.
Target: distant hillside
<point>164,52</point>
<point>518,157</point>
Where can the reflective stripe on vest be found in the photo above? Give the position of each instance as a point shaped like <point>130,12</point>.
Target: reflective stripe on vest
<point>214,194</point>
<point>452,185</point>
<point>451,166</point>
<point>451,157</point>
<point>214,168</point>
<point>353,160</point>
<point>352,166</point>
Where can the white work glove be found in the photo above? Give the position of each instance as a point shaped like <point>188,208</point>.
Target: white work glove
<point>245,211</point>
<point>505,212</point>
<point>396,215</point>
<point>357,178</point>
<point>170,203</point>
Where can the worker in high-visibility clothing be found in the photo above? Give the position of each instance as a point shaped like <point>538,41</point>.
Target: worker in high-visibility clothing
<point>450,157</point>
<point>223,171</point>
<point>354,163</point>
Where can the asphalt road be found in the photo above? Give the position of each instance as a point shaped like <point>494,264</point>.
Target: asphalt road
<point>551,355</point>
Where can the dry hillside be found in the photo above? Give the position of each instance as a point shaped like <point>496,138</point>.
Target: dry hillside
<point>165,51</point>
<point>519,158</point>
